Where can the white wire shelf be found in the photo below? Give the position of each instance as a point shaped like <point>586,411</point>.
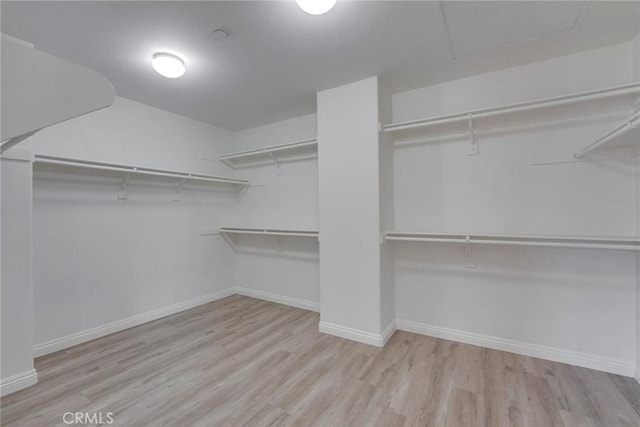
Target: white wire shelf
<point>293,151</point>
<point>624,243</point>
<point>627,132</point>
<point>128,170</point>
<point>270,231</point>
<point>620,97</point>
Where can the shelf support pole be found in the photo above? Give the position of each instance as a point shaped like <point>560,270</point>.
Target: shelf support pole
<point>228,239</point>
<point>473,140</point>
<point>469,256</point>
<point>176,197</point>
<point>276,162</point>
<point>122,193</point>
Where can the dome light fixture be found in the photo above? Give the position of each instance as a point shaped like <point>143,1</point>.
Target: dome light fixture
<point>168,65</point>
<point>316,7</point>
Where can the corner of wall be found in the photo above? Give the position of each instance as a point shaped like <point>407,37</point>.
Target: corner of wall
<point>387,261</point>
<point>635,55</point>
<point>17,273</point>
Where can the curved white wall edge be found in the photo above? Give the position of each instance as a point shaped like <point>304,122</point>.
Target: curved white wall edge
<point>21,154</point>
<point>39,90</point>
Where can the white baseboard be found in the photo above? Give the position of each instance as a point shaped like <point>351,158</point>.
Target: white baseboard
<point>129,322</point>
<point>543,352</point>
<point>18,382</point>
<point>388,332</point>
<point>358,335</point>
<point>280,299</point>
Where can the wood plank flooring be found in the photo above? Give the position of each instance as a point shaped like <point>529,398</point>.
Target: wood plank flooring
<point>242,361</point>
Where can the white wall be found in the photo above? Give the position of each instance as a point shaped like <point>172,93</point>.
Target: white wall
<point>16,332</point>
<point>100,260</point>
<point>572,305</point>
<point>279,198</point>
<point>286,197</point>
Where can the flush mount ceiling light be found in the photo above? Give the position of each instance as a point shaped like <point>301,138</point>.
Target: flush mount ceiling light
<point>316,7</point>
<point>168,65</point>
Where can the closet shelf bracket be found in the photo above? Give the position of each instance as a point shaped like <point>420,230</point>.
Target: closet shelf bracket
<point>469,255</point>
<point>473,140</point>
<point>631,123</point>
<point>176,196</point>
<point>276,162</point>
<point>122,193</point>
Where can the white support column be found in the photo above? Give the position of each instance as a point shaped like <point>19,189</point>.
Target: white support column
<point>349,192</point>
<point>16,271</point>
<point>636,75</point>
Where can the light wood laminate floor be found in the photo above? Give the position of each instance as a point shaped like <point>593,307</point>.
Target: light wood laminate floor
<point>242,361</point>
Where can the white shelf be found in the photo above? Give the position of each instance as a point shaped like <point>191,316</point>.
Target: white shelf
<point>616,98</point>
<point>626,133</point>
<point>624,243</point>
<point>270,231</point>
<point>272,154</point>
<point>127,169</point>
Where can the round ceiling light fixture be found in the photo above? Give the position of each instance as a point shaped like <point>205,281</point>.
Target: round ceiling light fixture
<point>168,65</point>
<point>316,7</point>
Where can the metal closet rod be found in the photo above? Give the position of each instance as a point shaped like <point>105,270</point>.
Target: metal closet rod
<point>619,130</point>
<point>628,89</point>
<point>269,231</point>
<point>622,243</point>
<point>272,148</point>
<point>64,161</point>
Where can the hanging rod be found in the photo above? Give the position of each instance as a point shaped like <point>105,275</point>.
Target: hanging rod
<point>632,122</point>
<point>270,231</point>
<point>584,242</point>
<point>227,158</point>
<point>64,161</point>
<point>633,88</point>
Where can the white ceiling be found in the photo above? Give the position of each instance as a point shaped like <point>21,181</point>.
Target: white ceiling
<point>277,56</point>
